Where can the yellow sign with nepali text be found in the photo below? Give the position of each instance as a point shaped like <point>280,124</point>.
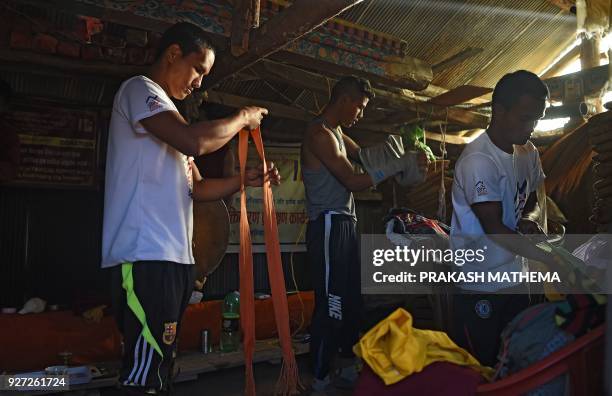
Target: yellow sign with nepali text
<point>289,202</point>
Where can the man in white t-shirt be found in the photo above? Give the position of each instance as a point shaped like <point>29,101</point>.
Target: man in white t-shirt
<point>151,182</point>
<point>494,199</point>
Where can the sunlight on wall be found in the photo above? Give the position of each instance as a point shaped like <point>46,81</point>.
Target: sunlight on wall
<point>550,125</point>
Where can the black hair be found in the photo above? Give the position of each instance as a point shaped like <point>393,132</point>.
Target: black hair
<point>512,86</point>
<point>189,37</point>
<point>354,86</point>
<point>6,92</point>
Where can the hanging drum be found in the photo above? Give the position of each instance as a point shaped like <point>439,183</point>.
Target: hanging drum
<point>210,236</point>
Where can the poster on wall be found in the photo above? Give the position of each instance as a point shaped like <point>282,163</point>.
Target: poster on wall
<point>289,201</point>
<point>58,145</point>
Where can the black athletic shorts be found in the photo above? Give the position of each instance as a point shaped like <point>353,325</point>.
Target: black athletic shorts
<point>163,289</point>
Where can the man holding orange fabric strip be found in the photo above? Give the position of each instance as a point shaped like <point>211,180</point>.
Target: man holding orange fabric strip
<point>151,182</point>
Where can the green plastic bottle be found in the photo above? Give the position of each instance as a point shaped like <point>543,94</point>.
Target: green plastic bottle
<point>230,325</point>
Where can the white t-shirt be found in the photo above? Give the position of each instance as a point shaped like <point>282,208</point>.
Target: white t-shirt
<point>485,173</point>
<point>148,210</point>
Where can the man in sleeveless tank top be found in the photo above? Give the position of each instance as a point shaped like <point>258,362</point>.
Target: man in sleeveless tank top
<point>331,237</point>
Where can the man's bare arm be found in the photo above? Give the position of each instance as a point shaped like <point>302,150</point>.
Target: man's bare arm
<point>212,189</point>
<point>201,137</point>
<point>322,144</point>
<point>352,148</point>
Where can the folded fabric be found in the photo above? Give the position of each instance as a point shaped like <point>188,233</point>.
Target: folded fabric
<point>388,159</point>
<point>394,349</point>
<point>410,173</point>
<point>383,160</point>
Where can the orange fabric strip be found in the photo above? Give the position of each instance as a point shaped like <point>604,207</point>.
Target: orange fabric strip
<point>245,260</point>
<point>288,382</point>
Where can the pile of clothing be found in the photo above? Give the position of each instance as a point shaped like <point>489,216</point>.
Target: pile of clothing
<point>404,227</point>
<point>403,360</point>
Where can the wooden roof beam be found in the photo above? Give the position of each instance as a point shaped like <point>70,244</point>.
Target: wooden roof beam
<point>402,100</point>
<point>18,58</point>
<point>245,18</point>
<point>402,72</point>
<point>289,112</point>
<point>275,109</point>
<point>292,23</point>
<point>575,86</point>
<point>277,72</point>
<point>452,139</point>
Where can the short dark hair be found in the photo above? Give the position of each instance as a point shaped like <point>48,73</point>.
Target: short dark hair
<point>189,37</point>
<point>354,86</point>
<point>512,86</point>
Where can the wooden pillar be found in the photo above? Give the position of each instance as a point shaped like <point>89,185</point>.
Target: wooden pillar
<point>246,17</point>
<point>590,57</point>
<point>589,51</point>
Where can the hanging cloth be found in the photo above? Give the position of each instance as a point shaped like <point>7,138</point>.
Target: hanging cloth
<point>288,381</point>
<point>441,214</point>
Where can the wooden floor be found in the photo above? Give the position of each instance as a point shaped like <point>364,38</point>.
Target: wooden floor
<point>230,381</point>
<point>194,363</point>
<point>198,372</point>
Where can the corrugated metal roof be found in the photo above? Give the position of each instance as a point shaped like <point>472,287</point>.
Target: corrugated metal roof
<point>513,34</point>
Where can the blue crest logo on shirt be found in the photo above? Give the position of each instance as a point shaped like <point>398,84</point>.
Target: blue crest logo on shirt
<point>483,309</point>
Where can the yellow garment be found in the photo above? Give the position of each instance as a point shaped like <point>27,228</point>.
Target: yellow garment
<point>394,349</point>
